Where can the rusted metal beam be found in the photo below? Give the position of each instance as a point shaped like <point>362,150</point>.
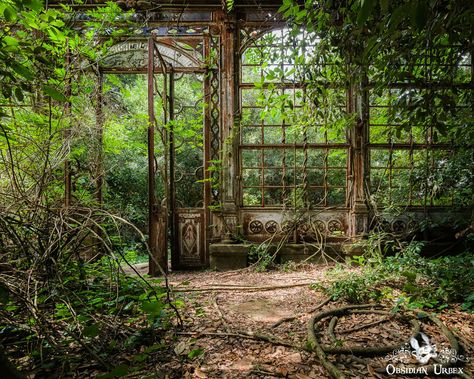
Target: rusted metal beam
<point>172,192</point>
<point>158,257</point>
<point>207,144</point>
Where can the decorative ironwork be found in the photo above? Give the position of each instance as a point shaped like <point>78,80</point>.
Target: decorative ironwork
<point>320,226</point>
<point>335,226</point>
<point>271,226</point>
<point>215,130</point>
<point>256,226</point>
<point>304,230</point>
<point>133,54</point>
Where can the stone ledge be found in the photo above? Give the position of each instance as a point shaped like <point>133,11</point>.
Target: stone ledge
<point>234,256</point>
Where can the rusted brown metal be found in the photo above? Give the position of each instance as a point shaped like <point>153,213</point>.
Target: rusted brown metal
<point>172,162</point>
<point>158,258</point>
<point>207,143</point>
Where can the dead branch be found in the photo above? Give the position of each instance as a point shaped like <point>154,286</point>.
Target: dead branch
<point>361,327</point>
<point>312,310</point>
<point>242,288</point>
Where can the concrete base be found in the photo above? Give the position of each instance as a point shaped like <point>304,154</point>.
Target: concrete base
<point>234,256</point>
<point>309,253</point>
<point>228,256</point>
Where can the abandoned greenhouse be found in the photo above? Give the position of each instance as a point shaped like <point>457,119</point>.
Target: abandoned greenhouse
<point>229,135</point>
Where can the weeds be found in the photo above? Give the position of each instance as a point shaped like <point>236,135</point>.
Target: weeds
<point>406,279</point>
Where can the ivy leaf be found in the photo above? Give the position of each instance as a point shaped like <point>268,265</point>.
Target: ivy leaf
<point>10,41</point>
<point>35,5</point>
<point>54,93</point>
<point>9,14</point>
<point>22,71</point>
<point>365,10</point>
<point>153,308</point>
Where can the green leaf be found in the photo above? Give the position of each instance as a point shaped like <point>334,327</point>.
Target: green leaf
<point>9,14</point>
<point>22,71</point>
<point>384,6</point>
<point>195,353</point>
<point>153,308</point>
<point>10,41</point>
<point>19,94</point>
<point>91,331</point>
<point>365,10</point>
<point>396,18</point>
<point>35,5</point>
<point>54,93</point>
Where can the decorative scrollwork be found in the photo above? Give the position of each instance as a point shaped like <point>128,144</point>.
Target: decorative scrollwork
<point>335,226</point>
<point>256,226</point>
<point>303,229</point>
<point>271,226</point>
<point>320,226</point>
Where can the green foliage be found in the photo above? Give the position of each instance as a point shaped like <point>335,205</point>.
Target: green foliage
<point>260,256</point>
<point>407,279</point>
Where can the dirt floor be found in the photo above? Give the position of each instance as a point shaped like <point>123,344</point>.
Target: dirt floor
<point>223,311</point>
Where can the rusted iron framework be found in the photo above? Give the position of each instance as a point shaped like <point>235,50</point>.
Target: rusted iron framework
<point>257,169</point>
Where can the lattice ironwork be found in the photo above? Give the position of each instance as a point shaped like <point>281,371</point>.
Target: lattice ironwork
<point>287,160</point>
<point>215,132</point>
<point>408,155</point>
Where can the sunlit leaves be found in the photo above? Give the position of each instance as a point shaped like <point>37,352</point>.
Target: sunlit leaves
<point>54,93</point>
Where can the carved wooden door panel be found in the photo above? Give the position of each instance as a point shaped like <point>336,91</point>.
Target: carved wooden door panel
<point>191,238</point>
<point>188,157</point>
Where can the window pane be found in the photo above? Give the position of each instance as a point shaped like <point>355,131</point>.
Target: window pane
<point>379,158</point>
<point>337,158</point>
<point>251,74</point>
<point>273,196</point>
<point>251,177</point>
<point>251,135</point>
<point>272,135</point>
<point>273,157</point>
<point>336,196</point>
<point>252,197</point>
<point>316,158</point>
<point>251,158</point>
<point>273,177</point>
<point>337,177</point>
<point>251,116</point>
<point>316,196</point>
<point>316,177</point>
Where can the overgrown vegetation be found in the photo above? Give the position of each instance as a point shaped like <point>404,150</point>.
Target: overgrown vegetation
<point>63,295</point>
<point>406,279</point>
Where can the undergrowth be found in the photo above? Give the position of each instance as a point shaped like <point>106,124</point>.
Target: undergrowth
<point>406,279</point>
<point>94,311</point>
